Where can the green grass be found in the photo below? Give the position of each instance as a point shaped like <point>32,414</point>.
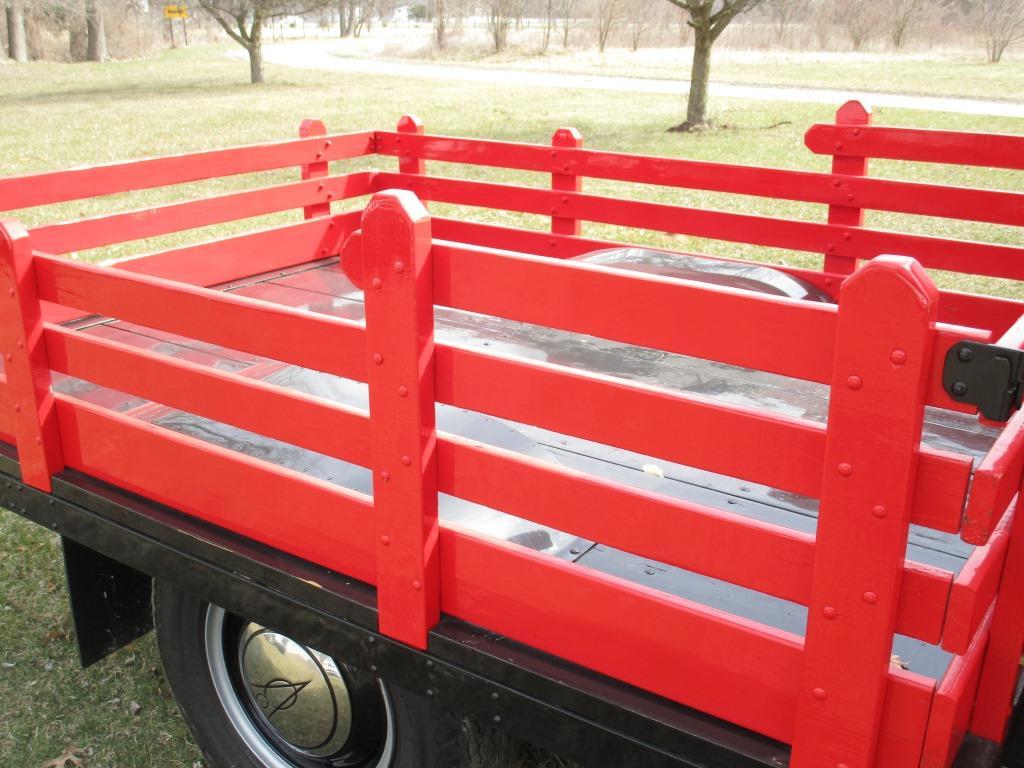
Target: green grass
<point>56,115</point>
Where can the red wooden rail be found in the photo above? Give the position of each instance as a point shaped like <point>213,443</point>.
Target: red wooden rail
<point>61,186</point>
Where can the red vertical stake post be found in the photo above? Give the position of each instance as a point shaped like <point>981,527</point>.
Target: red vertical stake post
<point>994,703</point>
<point>563,180</point>
<point>855,114</point>
<point>311,128</point>
<point>397,283</point>
<point>26,366</point>
<point>876,409</point>
<point>407,162</point>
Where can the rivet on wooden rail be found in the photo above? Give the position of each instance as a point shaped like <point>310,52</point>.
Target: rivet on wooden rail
<point>406,461</point>
<point>829,612</point>
<point>377,283</point>
<point>378,358</point>
<point>819,693</point>
<point>385,540</point>
<point>399,266</point>
<point>385,475</point>
<point>870,598</point>
<point>845,469</point>
<point>898,357</point>
<point>879,511</point>
<point>417,585</point>
<point>854,382</point>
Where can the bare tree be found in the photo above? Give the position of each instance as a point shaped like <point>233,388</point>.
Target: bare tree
<point>95,31</point>
<point>708,18</point>
<point>440,24</point>
<point>567,13</point>
<point>608,14</point>
<point>783,13</point>
<point>860,19</point>
<point>641,14</point>
<point>549,24</point>
<point>16,46</point>
<point>901,14</point>
<point>1002,25</point>
<point>499,19</point>
<point>243,20</point>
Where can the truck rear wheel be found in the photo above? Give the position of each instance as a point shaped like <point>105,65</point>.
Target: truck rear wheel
<point>256,698</point>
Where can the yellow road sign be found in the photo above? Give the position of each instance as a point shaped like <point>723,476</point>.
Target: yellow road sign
<point>175,11</point>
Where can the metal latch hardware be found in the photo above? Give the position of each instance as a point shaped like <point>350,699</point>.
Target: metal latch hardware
<point>985,375</point>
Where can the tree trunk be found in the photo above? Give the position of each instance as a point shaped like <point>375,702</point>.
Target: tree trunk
<point>255,49</point>
<point>16,45</point>
<point>96,48</point>
<point>700,75</point>
<point>440,21</point>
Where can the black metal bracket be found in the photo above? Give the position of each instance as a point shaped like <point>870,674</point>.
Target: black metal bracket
<point>985,375</point>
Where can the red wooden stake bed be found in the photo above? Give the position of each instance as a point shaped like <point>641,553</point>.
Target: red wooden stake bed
<point>97,360</point>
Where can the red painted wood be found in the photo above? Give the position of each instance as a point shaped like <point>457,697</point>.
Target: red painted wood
<point>307,517</point>
<point>954,698</point>
<point>995,206</point>
<point>61,186</point>
<point>316,170</point>
<point>409,127</point>
<point>760,556</point>
<point>996,481</point>
<point>403,437</point>
<point>999,671</point>
<point>769,333</point>
<point>991,150</point>
<point>292,417</point>
<point>870,469</point>
<point>961,309</point>
<point>176,217</point>
<point>974,589</point>
<point>238,257</point>
<point>327,344</point>
<point>25,364</point>
<point>852,113</point>
<point>729,667</point>
<point>859,243</point>
<point>564,180</point>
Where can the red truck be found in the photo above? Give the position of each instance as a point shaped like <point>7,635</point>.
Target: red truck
<point>378,474</point>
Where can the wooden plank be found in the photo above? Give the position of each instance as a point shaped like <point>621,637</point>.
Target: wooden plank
<point>954,698</point>
<point>769,333</point>
<point>974,588</point>
<point>304,420</point>
<point>991,150</point>
<point>849,215</point>
<point>25,363</point>
<point>565,138</point>
<point>870,469</point>
<point>1001,667</point>
<point>176,217</point>
<point>763,557</point>
<point>996,481</point>
<point>403,434</point>
<point>61,186</point>
<point>324,343</point>
<point>959,309</point>
<point>236,257</point>
<point>861,243</point>
<point>994,206</point>
<point>295,513</point>
<point>728,667</point>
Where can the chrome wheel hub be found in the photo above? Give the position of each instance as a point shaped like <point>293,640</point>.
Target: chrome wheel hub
<point>291,705</point>
<point>299,692</point>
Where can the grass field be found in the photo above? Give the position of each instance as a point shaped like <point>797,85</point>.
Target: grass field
<point>58,115</point>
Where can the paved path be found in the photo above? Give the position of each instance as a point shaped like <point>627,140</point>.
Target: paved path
<point>311,55</point>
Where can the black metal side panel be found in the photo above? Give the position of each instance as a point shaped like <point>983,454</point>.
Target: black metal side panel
<point>111,603</point>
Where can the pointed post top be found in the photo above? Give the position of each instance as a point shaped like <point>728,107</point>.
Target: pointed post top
<point>311,126</point>
<point>410,124</point>
<point>853,112</point>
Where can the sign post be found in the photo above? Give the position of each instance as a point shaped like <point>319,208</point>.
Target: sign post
<point>172,12</point>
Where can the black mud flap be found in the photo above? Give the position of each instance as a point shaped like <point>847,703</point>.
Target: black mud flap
<point>111,603</point>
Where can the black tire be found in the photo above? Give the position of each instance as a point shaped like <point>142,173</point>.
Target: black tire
<point>422,736</point>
